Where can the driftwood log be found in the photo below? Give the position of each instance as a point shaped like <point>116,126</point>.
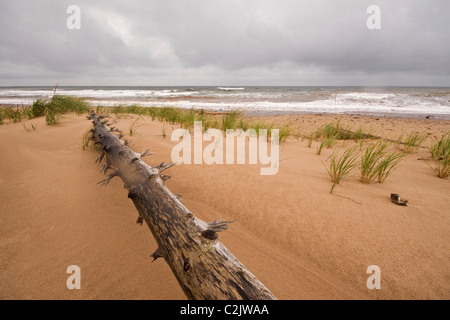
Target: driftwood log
<point>203,266</point>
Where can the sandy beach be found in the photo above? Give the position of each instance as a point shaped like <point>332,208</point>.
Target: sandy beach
<point>299,240</point>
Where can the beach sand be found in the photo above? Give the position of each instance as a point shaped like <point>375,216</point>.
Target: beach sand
<point>301,241</point>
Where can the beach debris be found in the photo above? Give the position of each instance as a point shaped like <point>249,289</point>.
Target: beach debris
<point>185,242</point>
<point>395,198</point>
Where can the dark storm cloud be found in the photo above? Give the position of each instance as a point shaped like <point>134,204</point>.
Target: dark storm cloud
<point>288,42</point>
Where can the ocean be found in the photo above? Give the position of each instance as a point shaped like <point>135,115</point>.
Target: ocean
<point>431,102</point>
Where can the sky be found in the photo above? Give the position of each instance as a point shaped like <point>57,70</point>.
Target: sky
<point>225,42</point>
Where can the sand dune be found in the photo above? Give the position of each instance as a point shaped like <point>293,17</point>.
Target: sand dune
<point>297,238</point>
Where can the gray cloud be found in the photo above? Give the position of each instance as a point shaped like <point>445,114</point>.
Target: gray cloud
<point>200,42</point>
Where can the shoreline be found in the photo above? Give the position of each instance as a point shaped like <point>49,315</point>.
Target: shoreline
<point>271,113</point>
<point>362,114</point>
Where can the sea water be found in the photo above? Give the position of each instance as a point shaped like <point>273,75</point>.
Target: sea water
<point>431,102</point>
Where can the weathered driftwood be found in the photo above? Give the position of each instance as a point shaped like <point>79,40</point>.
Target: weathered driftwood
<point>203,266</point>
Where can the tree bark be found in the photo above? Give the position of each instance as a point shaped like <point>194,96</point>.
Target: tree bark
<point>203,266</point>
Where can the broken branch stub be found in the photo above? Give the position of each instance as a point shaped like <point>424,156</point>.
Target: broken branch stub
<point>203,266</point>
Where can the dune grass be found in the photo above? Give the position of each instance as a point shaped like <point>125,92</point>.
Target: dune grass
<point>51,109</point>
<point>310,140</point>
<point>440,154</point>
<point>320,147</point>
<point>186,118</point>
<point>328,143</point>
<point>134,126</point>
<point>377,163</point>
<point>163,131</point>
<point>284,133</point>
<point>337,131</point>
<point>342,165</point>
<point>297,134</point>
<point>229,120</point>
<point>370,160</point>
<point>330,133</point>
<point>412,142</point>
<point>33,127</point>
<point>387,165</point>
<point>86,140</point>
<point>16,114</point>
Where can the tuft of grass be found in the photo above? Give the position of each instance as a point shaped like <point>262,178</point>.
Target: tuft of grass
<point>52,118</point>
<point>134,126</point>
<point>320,147</point>
<point>329,142</point>
<point>100,110</point>
<point>440,154</point>
<point>51,109</point>
<point>297,134</point>
<point>310,140</point>
<point>33,127</point>
<point>281,135</point>
<point>370,160</point>
<point>388,164</point>
<point>86,140</point>
<point>284,133</point>
<point>331,130</point>
<point>358,135</point>
<point>412,142</point>
<point>210,123</point>
<point>163,130</point>
<point>243,124</point>
<point>38,108</point>
<point>257,126</point>
<point>229,120</point>
<point>269,128</point>
<point>187,119</point>
<point>377,163</point>
<point>64,104</point>
<point>15,114</point>
<point>26,128</point>
<point>336,130</point>
<point>341,166</point>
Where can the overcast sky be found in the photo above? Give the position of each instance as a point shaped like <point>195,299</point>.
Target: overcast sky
<point>225,42</point>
